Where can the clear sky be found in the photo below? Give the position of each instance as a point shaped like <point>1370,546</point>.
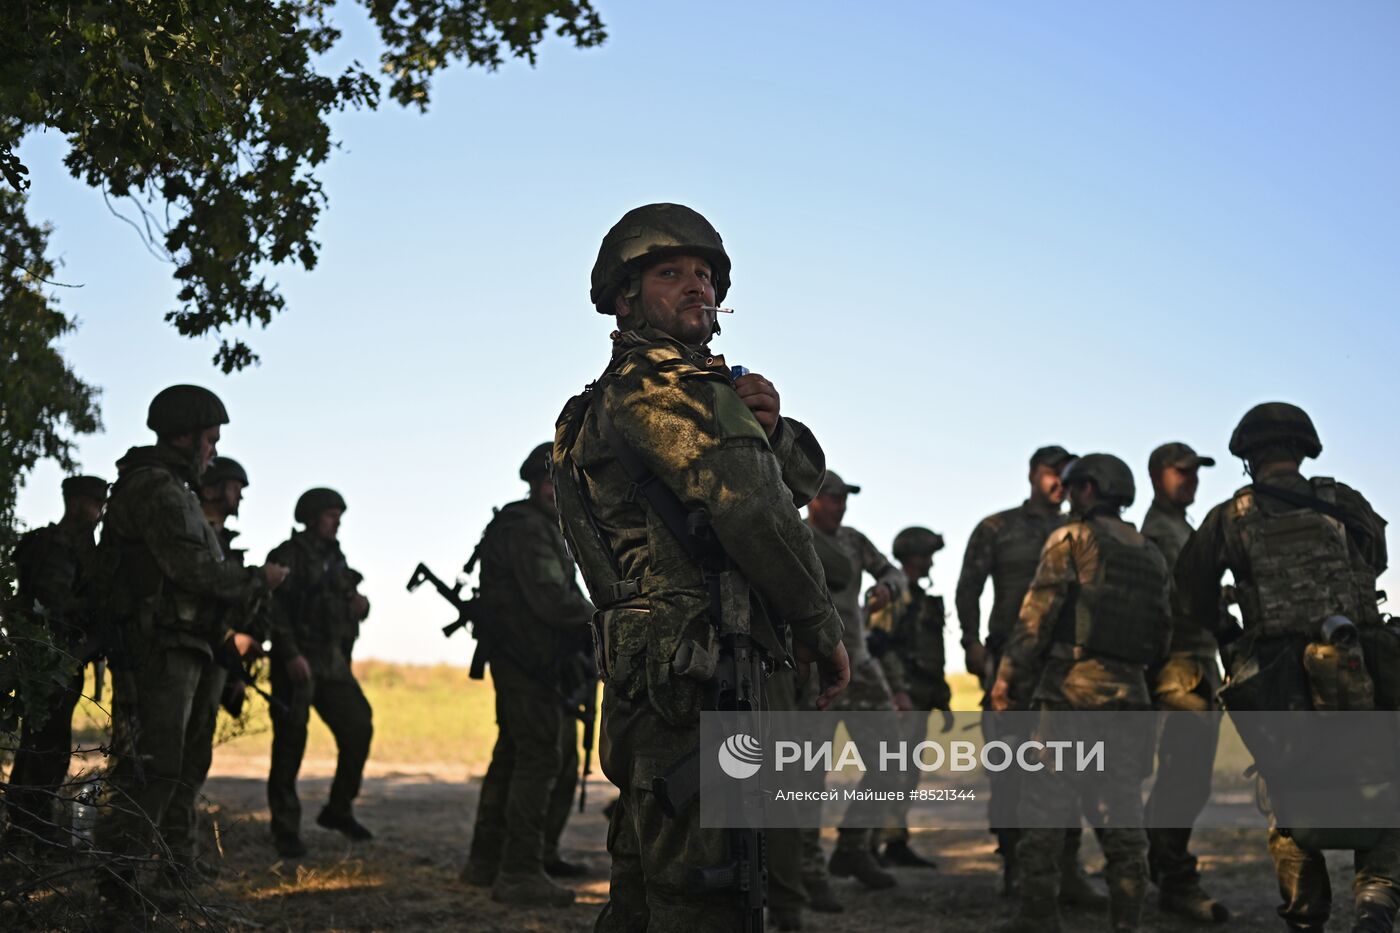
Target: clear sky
<point>960,230</point>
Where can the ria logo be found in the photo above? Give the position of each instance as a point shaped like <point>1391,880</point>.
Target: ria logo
<point>740,756</point>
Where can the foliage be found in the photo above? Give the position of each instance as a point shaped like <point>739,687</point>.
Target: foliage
<point>210,117</point>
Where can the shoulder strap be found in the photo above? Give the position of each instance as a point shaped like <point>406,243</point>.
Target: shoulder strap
<point>1304,500</point>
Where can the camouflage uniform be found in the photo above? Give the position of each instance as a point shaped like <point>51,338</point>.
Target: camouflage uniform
<point>1188,681</point>
<point>846,556</point>
<point>311,618</point>
<point>540,621</point>
<point>907,639</point>
<point>676,406</point>
<point>1005,546</point>
<point>1335,572</point>
<point>1100,567</point>
<point>50,563</point>
<point>170,591</point>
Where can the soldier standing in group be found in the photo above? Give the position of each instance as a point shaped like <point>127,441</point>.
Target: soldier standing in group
<point>1096,615</point>
<point>316,619</point>
<point>1006,546</point>
<point>51,564</point>
<point>847,555</point>
<point>906,637</point>
<point>1300,550</point>
<point>1186,683</point>
<point>166,587</point>
<point>220,494</point>
<point>533,625</point>
<point>715,448</point>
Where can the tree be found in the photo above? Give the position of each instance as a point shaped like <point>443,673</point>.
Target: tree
<point>210,116</point>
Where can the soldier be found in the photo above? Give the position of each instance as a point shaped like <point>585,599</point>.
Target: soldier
<point>1300,550</point>
<point>167,588</point>
<point>535,625</point>
<point>52,563</point>
<point>316,620</point>
<point>220,493</point>
<point>1187,682</point>
<point>907,639</point>
<point>847,555</point>
<point>1095,617</point>
<point>1006,546</point>
<point>716,449</point>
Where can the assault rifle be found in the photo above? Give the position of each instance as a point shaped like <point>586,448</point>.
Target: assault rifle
<point>579,690</point>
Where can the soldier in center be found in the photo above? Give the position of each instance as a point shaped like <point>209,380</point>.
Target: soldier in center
<point>1006,546</point>
<point>1095,618</point>
<point>533,625</point>
<point>667,426</point>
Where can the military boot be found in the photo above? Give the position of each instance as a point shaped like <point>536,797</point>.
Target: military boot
<point>1375,911</point>
<point>1190,900</point>
<point>478,875</point>
<point>345,824</point>
<point>1033,916</point>
<point>821,898</point>
<point>530,890</point>
<point>1124,911</point>
<point>900,855</point>
<point>858,863</point>
<point>1076,890</point>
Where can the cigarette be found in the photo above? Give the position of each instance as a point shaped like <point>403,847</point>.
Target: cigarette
<point>717,308</point>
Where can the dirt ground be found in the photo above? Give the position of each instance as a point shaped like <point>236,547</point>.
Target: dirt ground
<point>406,879</point>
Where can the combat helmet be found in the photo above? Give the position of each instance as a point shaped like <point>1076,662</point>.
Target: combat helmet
<point>916,540</point>
<point>182,409</point>
<point>649,233</point>
<point>315,501</point>
<point>222,469</point>
<point>536,466</point>
<point>1275,423</point>
<point>1112,477</point>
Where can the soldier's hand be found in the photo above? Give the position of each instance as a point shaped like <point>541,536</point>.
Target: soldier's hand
<point>247,646</point>
<point>274,574</point>
<point>1001,696</point>
<point>949,720</point>
<point>976,657</point>
<point>878,597</point>
<point>761,397</point>
<point>834,671</point>
<point>359,606</point>
<point>902,701</point>
<point>298,670</point>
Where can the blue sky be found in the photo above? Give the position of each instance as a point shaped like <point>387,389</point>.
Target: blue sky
<point>960,231</point>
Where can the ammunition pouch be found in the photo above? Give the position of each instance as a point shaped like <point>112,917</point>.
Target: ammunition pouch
<point>1338,677</point>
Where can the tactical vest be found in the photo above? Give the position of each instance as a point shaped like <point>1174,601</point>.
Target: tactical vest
<point>1119,614</point>
<point>1301,570</point>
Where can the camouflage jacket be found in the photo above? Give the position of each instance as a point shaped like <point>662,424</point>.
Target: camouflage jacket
<point>51,564</point>
<point>906,637</point>
<point>1165,525</point>
<point>535,615</point>
<point>1065,675</point>
<point>1005,546</point>
<point>1216,547</point>
<point>846,556</point>
<point>159,561</point>
<point>676,407</point>
<point>311,609</point>
<point>255,620</point>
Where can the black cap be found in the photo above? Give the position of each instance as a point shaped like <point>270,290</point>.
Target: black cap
<point>89,487</point>
<point>1053,456</point>
<point>1177,454</point>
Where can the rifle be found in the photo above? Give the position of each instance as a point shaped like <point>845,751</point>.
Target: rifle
<point>581,701</point>
<point>227,657</point>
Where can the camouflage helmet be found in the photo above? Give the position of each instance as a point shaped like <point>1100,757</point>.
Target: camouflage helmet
<point>916,540</point>
<point>222,469</point>
<point>184,408</point>
<point>536,466</point>
<point>1273,423</point>
<point>315,501</point>
<point>653,232</point>
<point>1111,476</point>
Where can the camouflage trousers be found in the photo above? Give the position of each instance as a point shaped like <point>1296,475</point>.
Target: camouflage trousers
<point>153,706</point>
<point>342,706</point>
<point>784,846</point>
<point>1306,889</point>
<point>653,855</point>
<point>41,766</point>
<point>180,825</point>
<point>927,695</point>
<point>1111,802</point>
<point>1185,758</point>
<point>529,785</point>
